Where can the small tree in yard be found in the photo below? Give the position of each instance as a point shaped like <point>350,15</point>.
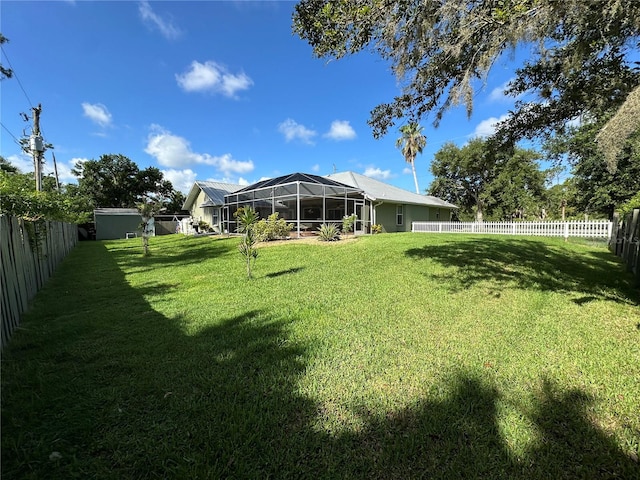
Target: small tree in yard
<point>247,217</point>
<point>348,222</point>
<point>148,208</point>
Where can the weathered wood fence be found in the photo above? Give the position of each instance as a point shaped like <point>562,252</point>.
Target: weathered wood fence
<point>25,269</point>
<point>585,229</point>
<point>625,240</point>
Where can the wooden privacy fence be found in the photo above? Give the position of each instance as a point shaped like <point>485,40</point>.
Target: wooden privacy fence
<point>595,228</point>
<point>25,269</point>
<point>625,240</point>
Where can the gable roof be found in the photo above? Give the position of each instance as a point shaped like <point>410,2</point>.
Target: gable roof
<point>380,191</point>
<point>291,178</point>
<point>215,192</point>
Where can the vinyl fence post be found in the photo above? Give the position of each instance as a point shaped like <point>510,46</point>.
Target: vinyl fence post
<point>566,231</point>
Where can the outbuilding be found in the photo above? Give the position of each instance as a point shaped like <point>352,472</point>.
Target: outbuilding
<point>114,223</point>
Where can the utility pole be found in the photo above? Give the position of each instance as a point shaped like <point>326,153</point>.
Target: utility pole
<point>36,145</point>
<point>55,170</point>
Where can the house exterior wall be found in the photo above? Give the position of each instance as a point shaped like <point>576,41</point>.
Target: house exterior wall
<point>112,227</point>
<point>386,215</point>
<point>206,214</point>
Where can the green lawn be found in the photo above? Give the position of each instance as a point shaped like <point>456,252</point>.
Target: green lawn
<point>391,356</point>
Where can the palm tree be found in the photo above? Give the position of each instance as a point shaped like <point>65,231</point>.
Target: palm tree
<point>411,144</point>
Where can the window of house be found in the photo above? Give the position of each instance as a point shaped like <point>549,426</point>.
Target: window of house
<point>399,215</point>
<point>215,216</point>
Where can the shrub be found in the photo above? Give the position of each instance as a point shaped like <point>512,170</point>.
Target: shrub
<point>376,228</point>
<point>204,226</point>
<point>247,218</point>
<point>329,232</point>
<point>272,228</point>
<point>347,222</point>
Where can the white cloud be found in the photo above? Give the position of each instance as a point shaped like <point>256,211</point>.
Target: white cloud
<point>575,122</point>
<point>238,181</point>
<point>341,130</point>
<point>175,152</point>
<point>166,28</point>
<point>64,168</point>
<point>211,77</point>
<point>375,172</point>
<point>294,131</point>
<point>315,168</point>
<point>97,113</point>
<point>498,95</point>
<point>22,162</point>
<point>181,180</point>
<point>407,171</point>
<point>488,127</point>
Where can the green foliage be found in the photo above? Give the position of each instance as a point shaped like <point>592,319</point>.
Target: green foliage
<point>630,205</point>
<point>204,226</point>
<point>348,221</point>
<point>272,228</point>
<point>581,60</point>
<point>598,191</point>
<point>115,181</point>
<point>7,166</point>
<point>488,182</point>
<point>376,228</point>
<point>247,218</point>
<point>328,232</point>
<point>175,202</point>
<point>18,197</point>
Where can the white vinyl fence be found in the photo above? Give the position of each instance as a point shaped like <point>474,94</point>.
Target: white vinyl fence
<point>585,229</point>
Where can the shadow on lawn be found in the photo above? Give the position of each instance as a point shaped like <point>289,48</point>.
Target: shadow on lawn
<point>134,396</point>
<point>171,253</point>
<point>531,265</point>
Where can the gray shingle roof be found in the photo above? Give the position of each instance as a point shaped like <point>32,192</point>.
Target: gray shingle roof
<point>215,191</point>
<point>380,191</point>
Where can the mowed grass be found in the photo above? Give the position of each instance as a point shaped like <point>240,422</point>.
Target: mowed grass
<point>390,356</point>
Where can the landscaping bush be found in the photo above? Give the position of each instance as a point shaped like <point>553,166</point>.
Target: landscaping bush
<point>347,223</point>
<point>273,228</point>
<point>328,232</point>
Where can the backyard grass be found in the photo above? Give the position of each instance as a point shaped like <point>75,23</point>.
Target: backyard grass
<point>390,356</point>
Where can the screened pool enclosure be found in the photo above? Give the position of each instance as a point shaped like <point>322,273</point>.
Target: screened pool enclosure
<point>305,200</point>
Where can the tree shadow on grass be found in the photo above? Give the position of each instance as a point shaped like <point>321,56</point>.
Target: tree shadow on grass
<point>104,392</point>
<point>530,264</point>
<point>171,253</point>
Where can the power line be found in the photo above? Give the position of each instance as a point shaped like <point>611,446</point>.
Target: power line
<point>9,132</point>
<point>15,75</point>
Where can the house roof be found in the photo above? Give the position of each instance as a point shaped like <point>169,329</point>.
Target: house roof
<point>291,178</point>
<point>215,192</point>
<point>116,211</point>
<point>380,191</point>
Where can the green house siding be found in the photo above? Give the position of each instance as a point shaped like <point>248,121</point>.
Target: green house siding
<point>386,215</point>
<point>111,227</point>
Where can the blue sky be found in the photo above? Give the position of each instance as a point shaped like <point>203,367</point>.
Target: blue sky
<point>207,90</point>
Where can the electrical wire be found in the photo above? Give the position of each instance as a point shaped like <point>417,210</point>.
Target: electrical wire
<point>15,75</point>
<point>9,132</point>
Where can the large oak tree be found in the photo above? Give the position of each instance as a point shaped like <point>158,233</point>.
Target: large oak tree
<point>115,181</point>
<point>581,61</point>
<point>489,183</point>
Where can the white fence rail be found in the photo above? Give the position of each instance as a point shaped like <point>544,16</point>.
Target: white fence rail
<point>585,229</point>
